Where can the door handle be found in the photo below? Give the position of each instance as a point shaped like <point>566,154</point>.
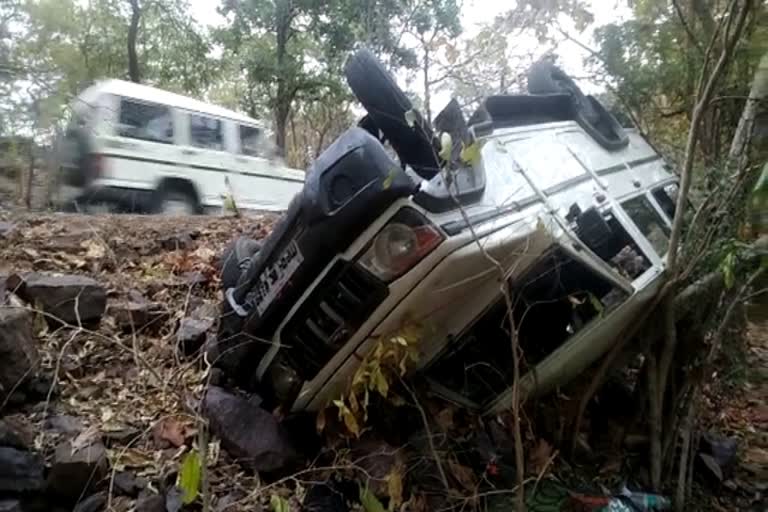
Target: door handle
<point>241,159</point>
<point>188,152</point>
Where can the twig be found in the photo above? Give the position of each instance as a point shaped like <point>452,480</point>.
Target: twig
<point>687,27</point>
<point>428,431</point>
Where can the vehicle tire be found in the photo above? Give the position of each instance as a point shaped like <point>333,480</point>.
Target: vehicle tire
<point>546,78</point>
<point>175,202</point>
<point>235,260</point>
<point>387,104</point>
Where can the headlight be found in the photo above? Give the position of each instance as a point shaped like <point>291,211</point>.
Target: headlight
<point>400,245</point>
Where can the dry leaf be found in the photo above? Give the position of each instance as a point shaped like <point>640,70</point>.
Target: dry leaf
<point>395,487</point>
<point>93,249</point>
<point>539,457</point>
<point>85,438</point>
<point>204,253</point>
<point>171,430</point>
<point>462,474</point>
<point>320,421</point>
<point>445,419</point>
<point>130,458</point>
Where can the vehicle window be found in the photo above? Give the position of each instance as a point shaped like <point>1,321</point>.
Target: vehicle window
<point>602,232</point>
<point>555,299</point>
<point>666,196</point>
<point>250,139</point>
<point>145,121</point>
<point>205,132</point>
<point>649,222</point>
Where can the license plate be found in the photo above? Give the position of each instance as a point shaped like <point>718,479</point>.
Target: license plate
<point>274,278</point>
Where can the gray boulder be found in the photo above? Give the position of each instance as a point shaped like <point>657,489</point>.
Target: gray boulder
<point>136,315</point>
<point>77,469</point>
<point>9,437</point>
<point>20,471</point>
<point>64,297</point>
<point>248,432</point>
<point>192,333</point>
<point>19,354</point>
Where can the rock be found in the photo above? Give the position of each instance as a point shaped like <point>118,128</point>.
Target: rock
<point>173,499</point>
<point>19,354</point>
<point>192,333</point>
<point>330,496</point>
<point>227,502</point>
<point>134,315</point>
<point>127,484</point>
<point>64,424</point>
<point>248,432</point>
<point>94,503</point>
<point>10,506</point>
<point>6,229</point>
<point>151,503</point>
<point>9,437</point>
<point>39,386</point>
<point>20,471</point>
<point>64,297</point>
<point>76,469</point>
<point>177,241</point>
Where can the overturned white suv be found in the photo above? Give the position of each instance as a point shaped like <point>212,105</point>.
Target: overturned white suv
<point>576,210</point>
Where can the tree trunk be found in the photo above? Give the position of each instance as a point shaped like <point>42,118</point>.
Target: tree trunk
<point>757,94</point>
<point>30,177</point>
<point>427,95</point>
<point>283,96</point>
<point>281,122</point>
<point>133,31</point>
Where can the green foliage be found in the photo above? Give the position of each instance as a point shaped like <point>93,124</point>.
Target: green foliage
<point>654,60</point>
<point>279,504</point>
<point>62,46</point>
<point>387,362</point>
<point>190,477</point>
<point>369,501</point>
<point>291,54</point>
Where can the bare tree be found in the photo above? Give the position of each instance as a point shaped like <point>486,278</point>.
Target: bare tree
<point>133,31</point>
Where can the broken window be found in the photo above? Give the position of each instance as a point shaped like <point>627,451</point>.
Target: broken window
<point>602,232</point>
<point>650,223</point>
<point>666,196</point>
<point>555,299</point>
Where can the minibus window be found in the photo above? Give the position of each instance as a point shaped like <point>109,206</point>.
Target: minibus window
<point>250,139</point>
<point>206,132</point>
<point>145,122</point>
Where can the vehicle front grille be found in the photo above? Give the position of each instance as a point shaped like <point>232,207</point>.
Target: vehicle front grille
<point>332,313</point>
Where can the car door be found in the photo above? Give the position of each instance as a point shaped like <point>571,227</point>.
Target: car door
<point>141,146</point>
<point>262,183</point>
<point>206,158</point>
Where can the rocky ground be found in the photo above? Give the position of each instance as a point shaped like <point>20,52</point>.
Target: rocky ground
<point>103,402</point>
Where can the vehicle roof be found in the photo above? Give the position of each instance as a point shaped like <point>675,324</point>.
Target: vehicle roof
<point>155,95</point>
